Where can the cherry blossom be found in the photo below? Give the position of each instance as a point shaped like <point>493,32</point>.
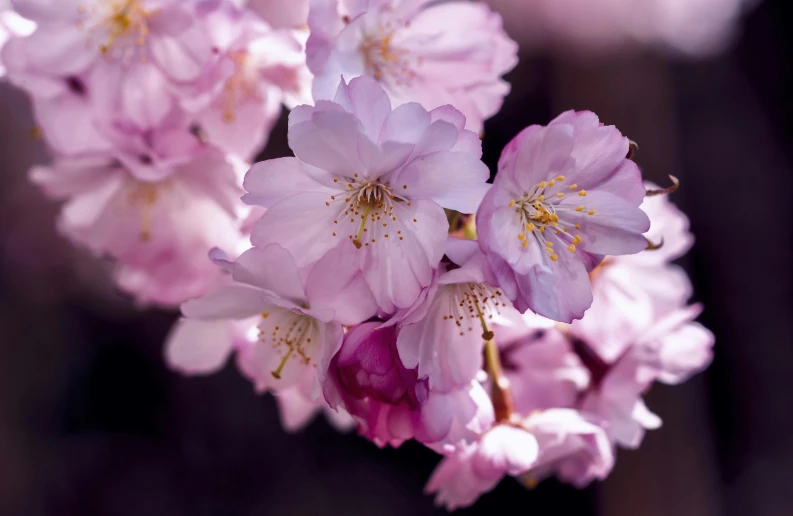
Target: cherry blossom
<point>420,51</point>
<point>372,181</point>
<point>565,195</point>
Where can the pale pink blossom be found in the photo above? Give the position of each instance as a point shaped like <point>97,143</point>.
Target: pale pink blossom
<point>540,364</point>
<point>299,316</point>
<point>373,182</point>
<point>137,51</point>
<point>156,206</point>
<point>554,442</point>
<point>695,27</point>
<point>442,334</point>
<point>617,399</point>
<point>196,347</point>
<point>433,53</point>
<point>391,404</point>
<point>239,98</point>
<point>565,195</point>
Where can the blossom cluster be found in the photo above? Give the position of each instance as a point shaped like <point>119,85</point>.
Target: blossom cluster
<point>378,275</point>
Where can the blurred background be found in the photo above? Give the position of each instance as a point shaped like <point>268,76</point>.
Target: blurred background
<point>92,422</point>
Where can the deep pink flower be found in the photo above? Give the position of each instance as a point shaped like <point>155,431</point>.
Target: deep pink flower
<point>420,51</point>
<point>299,318</point>
<point>370,178</point>
<point>442,333</point>
<point>558,441</point>
<point>390,404</point>
<point>565,195</point>
<point>156,206</point>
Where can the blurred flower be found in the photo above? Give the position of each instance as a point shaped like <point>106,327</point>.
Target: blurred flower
<point>420,51</point>
<point>372,182</point>
<point>540,363</point>
<point>695,27</point>
<point>554,442</point>
<point>565,195</point>
<point>239,98</point>
<point>155,209</point>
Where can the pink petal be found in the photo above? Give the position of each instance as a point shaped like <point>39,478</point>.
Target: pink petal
<point>427,178</point>
<point>231,302</point>
<point>270,268</point>
<point>198,347</point>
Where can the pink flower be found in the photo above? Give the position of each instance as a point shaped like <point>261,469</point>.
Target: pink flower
<point>135,52</point>
<point>629,291</point>
<point>391,404</point>
<point>659,344</point>
<point>431,53</point>
<point>372,182</point>
<point>442,333</point>
<point>542,368</point>
<point>156,206</point>
<point>74,34</point>
<point>299,316</point>
<point>556,441</point>
<point>239,98</point>
<point>196,347</point>
<point>565,196</point>
<point>617,399</point>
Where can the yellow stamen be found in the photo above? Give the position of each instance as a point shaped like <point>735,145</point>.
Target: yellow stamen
<point>571,248</point>
<point>582,193</point>
<point>579,208</point>
<point>554,258</point>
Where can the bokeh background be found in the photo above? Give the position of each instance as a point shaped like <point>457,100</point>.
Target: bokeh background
<point>92,422</point>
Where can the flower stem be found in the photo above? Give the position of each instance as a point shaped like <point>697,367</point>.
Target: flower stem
<point>503,402</point>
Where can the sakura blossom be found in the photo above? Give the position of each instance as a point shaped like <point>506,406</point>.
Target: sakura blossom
<point>444,332</point>
<point>555,442</point>
<point>298,316</point>
<point>240,96</point>
<point>372,182</point>
<point>420,51</point>
<point>156,211</point>
<point>565,195</point>
<point>376,276</point>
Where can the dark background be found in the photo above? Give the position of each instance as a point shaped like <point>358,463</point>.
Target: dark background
<point>92,423</point>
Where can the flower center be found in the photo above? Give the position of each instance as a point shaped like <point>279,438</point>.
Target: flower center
<point>123,25</point>
<point>145,195</point>
<point>472,303</point>
<point>366,202</point>
<point>239,88</point>
<point>292,339</point>
<point>542,216</point>
<point>383,60</point>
